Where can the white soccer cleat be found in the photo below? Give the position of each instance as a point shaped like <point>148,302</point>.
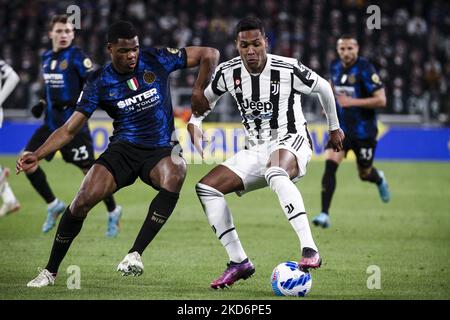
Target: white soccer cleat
<point>44,279</point>
<point>131,265</point>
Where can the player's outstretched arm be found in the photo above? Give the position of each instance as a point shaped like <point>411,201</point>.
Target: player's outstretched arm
<point>56,141</point>
<point>196,135</point>
<point>326,98</point>
<point>207,59</point>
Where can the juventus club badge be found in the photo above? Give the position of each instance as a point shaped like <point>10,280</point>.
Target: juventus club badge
<point>275,87</point>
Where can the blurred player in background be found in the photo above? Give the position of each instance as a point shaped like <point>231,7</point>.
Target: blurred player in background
<point>359,91</point>
<point>267,89</point>
<point>134,90</point>
<point>65,70</point>
<point>8,81</point>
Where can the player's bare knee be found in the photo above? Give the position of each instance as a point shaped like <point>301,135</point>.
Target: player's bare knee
<point>292,171</point>
<point>173,180</point>
<point>205,181</point>
<point>83,202</point>
<point>212,181</point>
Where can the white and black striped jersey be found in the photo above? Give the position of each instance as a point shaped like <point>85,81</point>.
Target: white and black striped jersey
<point>5,70</point>
<point>267,101</point>
<point>6,85</point>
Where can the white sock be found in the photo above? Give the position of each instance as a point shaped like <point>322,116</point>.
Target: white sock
<point>292,203</point>
<point>7,194</point>
<point>53,203</point>
<point>115,211</point>
<point>221,220</point>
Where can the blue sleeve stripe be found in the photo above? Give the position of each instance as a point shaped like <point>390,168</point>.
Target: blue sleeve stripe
<point>83,111</point>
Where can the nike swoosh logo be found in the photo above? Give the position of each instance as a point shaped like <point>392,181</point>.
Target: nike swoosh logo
<point>112,94</point>
<point>63,238</point>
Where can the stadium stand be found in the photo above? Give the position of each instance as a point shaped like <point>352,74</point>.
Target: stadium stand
<point>411,50</point>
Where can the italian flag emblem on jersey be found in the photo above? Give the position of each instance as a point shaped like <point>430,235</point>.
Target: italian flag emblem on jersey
<point>133,84</point>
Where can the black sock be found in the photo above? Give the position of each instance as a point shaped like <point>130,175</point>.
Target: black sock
<point>243,261</point>
<point>39,182</point>
<point>110,203</point>
<point>159,211</point>
<point>373,176</point>
<point>328,184</point>
<point>69,227</point>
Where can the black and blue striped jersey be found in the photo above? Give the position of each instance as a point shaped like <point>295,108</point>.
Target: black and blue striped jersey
<point>140,102</point>
<point>65,72</point>
<point>358,81</point>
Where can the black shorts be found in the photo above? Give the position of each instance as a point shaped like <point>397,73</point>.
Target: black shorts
<point>126,161</point>
<point>364,150</point>
<point>79,151</point>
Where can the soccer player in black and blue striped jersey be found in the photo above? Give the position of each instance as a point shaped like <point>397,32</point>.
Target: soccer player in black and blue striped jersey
<point>359,92</point>
<point>65,69</point>
<point>134,90</point>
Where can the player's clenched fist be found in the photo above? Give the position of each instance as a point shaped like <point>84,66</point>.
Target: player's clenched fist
<point>26,161</point>
<point>200,104</point>
<point>336,139</point>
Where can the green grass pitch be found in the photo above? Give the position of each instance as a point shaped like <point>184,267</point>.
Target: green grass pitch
<point>408,239</point>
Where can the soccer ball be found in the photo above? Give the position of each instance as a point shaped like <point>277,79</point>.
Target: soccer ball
<point>288,280</point>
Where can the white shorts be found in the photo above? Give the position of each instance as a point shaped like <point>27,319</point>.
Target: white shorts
<point>251,164</point>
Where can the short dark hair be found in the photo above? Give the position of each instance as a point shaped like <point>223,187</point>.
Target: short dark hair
<point>348,36</point>
<point>250,23</point>
<point>62,18</point>
<point>121,30</point>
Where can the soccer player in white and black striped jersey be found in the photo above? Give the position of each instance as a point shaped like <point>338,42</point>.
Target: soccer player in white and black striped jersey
<point>8,81</point>
<point>267,89</point>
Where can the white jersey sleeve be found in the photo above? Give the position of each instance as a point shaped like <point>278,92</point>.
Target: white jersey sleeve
<point>216,87</point>
<point>304,79</point>
<point>8,81</point>
<point>5,70</point>
<point>326,98</point>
